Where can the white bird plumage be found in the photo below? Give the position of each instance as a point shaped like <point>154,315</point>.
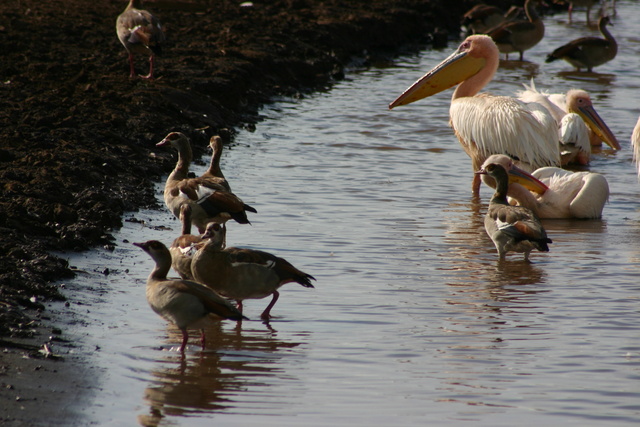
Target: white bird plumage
<point>487,124</point>
<point>567,194</point>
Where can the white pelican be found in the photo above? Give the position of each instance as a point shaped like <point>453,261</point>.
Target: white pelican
<point>184,303</point>
<point>588,52</point>
<point>555,193</point>
<point>140,33</point>
<point>635,144</point>
<point>512,228</point>
<point>487,124</point>
<point>575,101</point>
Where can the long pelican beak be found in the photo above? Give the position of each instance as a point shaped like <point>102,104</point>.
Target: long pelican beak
<point>458,67</point>
<point>598,126</point>
<point>530,182</point>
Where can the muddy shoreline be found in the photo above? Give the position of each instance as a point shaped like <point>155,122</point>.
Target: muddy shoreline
<point>78,143</point>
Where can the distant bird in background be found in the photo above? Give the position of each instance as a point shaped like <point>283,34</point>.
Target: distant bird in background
<point>521,35</point>
<point>481,18</point>
<point>588,3</point>
<point>588,52</point>
<point>140,33</point>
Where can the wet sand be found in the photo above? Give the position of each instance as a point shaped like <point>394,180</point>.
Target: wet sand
<point>78,143</point>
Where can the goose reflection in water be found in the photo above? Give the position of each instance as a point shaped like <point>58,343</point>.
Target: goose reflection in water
<point>233,361</point>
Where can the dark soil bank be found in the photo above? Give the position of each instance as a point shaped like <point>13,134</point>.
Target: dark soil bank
<point>77,146</point>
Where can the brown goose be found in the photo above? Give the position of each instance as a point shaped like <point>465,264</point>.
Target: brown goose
<point>184,303</point>
<point>184,246</point>
<point>140,33</point>
<point>240,274</point>
<point>588,52</point>
<point>209,200</point>
<point>518,36</point>
<point>512,228</point>
<point>214,171</point>
<point>481,18</point>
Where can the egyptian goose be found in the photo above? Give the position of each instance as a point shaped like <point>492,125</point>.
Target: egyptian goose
<point>240,274</point>
<point>184,246</point>
<point>512,228</point>
<point>214,172</point>
<point>140,33</point>
<point>482,18</point>
<point>184,303</point>
<point>518,36</point>
<point>588,52</point>
<point>554,193</point>
<point>209,200</point>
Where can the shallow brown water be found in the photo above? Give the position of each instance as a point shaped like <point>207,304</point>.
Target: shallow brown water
<point>413,321</point>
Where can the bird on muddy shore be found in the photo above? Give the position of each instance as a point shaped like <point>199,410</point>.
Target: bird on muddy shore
<point>487,124</point>
<point>239,273</point>
<point>140,33</point>
<point>588,52</point>
<point>511,228</point>
<point>209,200</point>
<point>519,35</point>
<point>184,303</point>
<point>184,246</point>
<point>554,193</point>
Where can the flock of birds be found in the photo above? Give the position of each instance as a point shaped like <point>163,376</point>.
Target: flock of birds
<point>211,274</point>
<point>518,146</point>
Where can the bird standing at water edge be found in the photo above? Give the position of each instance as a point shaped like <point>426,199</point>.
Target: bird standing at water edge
<point>487,124</point>
<point>208,198</point>
<point>184,303</point>
<point>512,228</point>
<point>140,33</point>
<point>588,52</point>
<point>239,273</point>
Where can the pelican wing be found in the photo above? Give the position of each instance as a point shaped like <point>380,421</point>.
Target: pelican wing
<point>491,124</point>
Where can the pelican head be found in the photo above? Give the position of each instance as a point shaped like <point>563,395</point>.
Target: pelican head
<point>579,102</point>
<point>475,54</point>
<point>516,175</point>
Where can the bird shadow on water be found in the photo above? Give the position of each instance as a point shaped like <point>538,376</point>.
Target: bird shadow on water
<point>206,381</point>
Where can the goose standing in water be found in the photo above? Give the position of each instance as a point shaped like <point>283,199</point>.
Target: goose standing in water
<point>487,124</point>
<point>512,228</point>
<point>518,36</point>
<point>239,274</point>
<point>140,33</point>
<point>209,200</point>
<point>184,303</point>
<point>588,52</point>
<point>184,246</point>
